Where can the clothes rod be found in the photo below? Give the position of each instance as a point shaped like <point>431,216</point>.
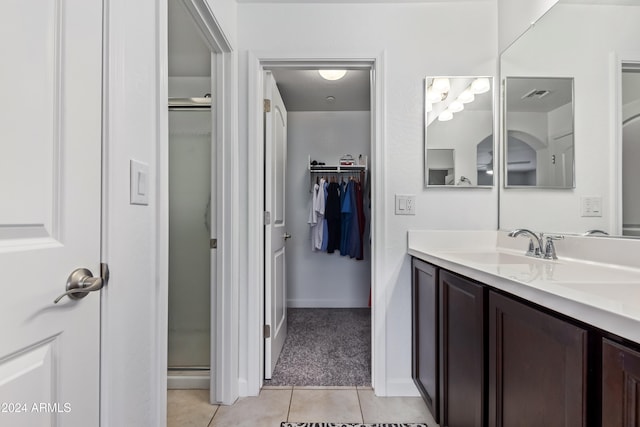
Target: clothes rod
<point>190,103</point>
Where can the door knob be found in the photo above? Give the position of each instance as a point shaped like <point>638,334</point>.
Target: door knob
<point>286,236</point>
<point>81,282</point>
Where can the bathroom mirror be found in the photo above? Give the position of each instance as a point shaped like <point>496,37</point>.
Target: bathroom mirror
<point>539,132</point>
<point>459,143</point>
<point>588,41</point>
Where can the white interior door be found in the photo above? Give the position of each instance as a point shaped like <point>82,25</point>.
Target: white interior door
<point>563,160</point>
<point>50,195</point>
<point>275,301</point>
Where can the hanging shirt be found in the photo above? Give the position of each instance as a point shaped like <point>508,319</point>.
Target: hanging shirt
<point>316,216</point>
<point>325,226</point>
<point>333,217</point>
<point>347,217</point>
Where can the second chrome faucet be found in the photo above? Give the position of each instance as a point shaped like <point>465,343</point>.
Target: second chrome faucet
<point>540,246</point>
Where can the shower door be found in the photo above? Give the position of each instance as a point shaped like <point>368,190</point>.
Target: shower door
<point>190,160</point>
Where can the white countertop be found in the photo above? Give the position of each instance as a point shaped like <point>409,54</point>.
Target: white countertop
<point>584,283</point>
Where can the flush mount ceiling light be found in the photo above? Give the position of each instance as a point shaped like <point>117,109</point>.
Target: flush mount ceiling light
<point>332,74</point>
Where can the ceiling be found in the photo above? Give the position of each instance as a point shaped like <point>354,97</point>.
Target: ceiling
<point>301,89</point>
<point>188,55</point>
<point>560,93</point>
<point>305,90</point>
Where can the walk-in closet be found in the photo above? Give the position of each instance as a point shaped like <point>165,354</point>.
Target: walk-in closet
<point>328,287</point>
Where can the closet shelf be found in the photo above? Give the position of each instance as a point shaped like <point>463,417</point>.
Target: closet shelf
<point>338,168</point>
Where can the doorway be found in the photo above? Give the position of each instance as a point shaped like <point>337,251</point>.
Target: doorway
<point>191,204</point>
<point>328,289</point>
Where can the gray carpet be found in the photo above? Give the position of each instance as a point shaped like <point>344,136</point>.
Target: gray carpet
<point>325,347</point>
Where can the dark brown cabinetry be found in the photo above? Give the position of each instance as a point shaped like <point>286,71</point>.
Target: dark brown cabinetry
<point>537,367</point>
<point>620,385</point>
<point>462,351</point>
<point>424,291</point>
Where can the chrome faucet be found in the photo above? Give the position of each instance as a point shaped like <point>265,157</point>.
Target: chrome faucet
<point>593,232</point>
<point>540,246</point>
<point>535,241</point>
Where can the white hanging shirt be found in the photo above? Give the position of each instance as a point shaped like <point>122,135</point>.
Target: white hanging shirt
<point>316,215</point>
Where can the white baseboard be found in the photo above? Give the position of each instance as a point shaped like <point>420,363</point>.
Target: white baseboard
<point>327,303</point>
<point>181,382</point>
<point>402,388</point>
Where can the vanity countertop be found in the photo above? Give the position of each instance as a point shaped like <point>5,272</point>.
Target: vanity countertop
<point>593,280</point>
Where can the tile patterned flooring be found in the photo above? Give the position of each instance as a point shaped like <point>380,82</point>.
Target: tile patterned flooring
<point>190,408</point>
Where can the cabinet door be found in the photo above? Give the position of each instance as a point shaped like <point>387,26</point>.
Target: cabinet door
<point>620,385</point>
<point>462,352</point>
<point>537,367</point>
<point>425,333</point>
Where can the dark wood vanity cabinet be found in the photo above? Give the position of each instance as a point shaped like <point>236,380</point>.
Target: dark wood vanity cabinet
<point>620,385</point>
<point>462,351</point>
<point>537,367</point>
<point>424,291</point>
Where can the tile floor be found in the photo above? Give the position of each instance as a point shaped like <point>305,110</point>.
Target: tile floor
<point>190,408</point>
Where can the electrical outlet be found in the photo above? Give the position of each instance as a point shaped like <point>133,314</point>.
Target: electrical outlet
<point>405,204</point>
<point>591,206</point>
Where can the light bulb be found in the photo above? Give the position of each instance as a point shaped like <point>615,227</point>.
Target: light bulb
<point>466,96</point>
<point>441,84</point>
<point>433,96</point>
<point>456,106</point>
<point>445,116</point>
<point>480,85</point>
<point>332,74</point>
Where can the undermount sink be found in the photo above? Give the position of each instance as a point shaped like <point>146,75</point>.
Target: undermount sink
<point>493,257</point>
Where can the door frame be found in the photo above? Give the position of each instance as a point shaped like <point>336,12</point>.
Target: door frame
<point>224,342</point>
<point>253,346</point>
<point>617,63</point>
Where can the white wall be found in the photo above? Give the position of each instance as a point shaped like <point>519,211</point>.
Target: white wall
<point>410,36</point>
<point>130,379</point>
<point>225,12</point>
<point>319,279</point>
<point>516,16</point>
<point>550,49</point>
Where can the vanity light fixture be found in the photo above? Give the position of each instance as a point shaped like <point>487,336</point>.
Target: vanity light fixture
<point>445,116</point>
<point>466,96</point>
<point>434,96</point>
<point>441,85</point>
<point>429,107</point>
<point>480,85</point>
<point>332,74</point>
<point>456,106</point>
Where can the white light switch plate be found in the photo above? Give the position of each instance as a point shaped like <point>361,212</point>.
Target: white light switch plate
<point>405,204</point>
<point>591,206</point>
<point>139,179</point>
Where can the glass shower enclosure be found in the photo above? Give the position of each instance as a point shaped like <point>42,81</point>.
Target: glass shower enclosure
<point>189,242</point>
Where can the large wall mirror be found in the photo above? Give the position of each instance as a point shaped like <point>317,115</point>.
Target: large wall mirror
<point>539,132</point>
<point>587,42</point>
<point>459,147</point>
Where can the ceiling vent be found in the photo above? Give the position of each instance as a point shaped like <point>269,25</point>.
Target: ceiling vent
<point>536,93</point>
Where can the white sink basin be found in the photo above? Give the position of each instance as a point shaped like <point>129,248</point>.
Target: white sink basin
<point>493,257</point>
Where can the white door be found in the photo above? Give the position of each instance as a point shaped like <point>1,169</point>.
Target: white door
<point>50,178</point>
<point>562,160</point>
<point>275,236</point>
